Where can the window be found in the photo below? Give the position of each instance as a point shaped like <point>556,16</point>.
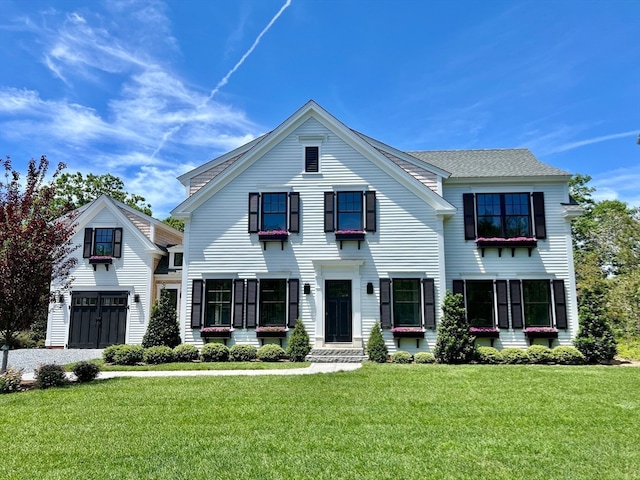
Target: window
<point>274,211</point>
<point>311,159</point>
<point>503,215</point>
<point>218,303</point>
<point>537,303</point>
<point>349,211</point>
<point>102,242</point>
<point>406,302</point>
<point>177,259</point>
<point>480,303</point>
<point>273,296</point>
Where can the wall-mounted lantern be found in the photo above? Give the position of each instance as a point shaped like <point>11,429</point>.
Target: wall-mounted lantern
<point>136,298</point>
<point>307,289</point>
<point>370,288</point>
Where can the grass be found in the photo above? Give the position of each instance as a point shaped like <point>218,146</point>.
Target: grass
<point>380,422</point>
<point>177,366</point>
<point>629,348</point>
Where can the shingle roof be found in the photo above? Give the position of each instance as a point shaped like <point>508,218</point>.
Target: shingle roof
<point>511,162</point>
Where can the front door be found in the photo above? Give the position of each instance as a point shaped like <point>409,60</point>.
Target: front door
<point>98,319</point>
<point>338,311</point>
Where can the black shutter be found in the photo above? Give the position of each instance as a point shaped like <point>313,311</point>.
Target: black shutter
<point>294,296</point>
<point>469,209</point>
<point>503,304</point>
<point>117,242</point>
<point>88,241</point>
<point>254,212</point>
<point>328,212</point>
<point>238,303</point>
<point>516,303</point>
<point>294,212</point>
<point>429,299</point>
<point>370,206</point>
<point>252,296</point>
<point>539,216</point>
<point>311,159</point>
<point>196,304</point>
<point>559,299</point>
<point>385,303</point>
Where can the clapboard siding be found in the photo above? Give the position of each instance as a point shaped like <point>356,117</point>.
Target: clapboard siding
<point>166,237</point>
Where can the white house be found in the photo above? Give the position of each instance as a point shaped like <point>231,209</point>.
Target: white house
<point>124,258</point>
<point>319,222</point>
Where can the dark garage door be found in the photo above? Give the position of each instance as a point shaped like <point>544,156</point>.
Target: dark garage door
<point>98,319</point>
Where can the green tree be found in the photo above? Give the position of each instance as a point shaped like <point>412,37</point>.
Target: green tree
<point>163,328</point>
<point>298,346</point>
<point>595,339</point>
<point>376,348</point>
<point>74,190</point>
<point>454,343</point>
<point>174,223</point>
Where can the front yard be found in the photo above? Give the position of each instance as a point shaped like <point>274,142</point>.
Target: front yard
<point>381,422</point>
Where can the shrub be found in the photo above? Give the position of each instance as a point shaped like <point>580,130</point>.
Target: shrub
<point>271,353</point>
<point>186,353</point>
<point>401,357</point>
<point>540,354</point>
<point>454,343</point>
<point>10,380</point>
<point>158,354</point>
<point>85,371</point>
<point>298,346</point>
<point>376,348</point>
<point>568,356</point>
<point>214,352</point>
<point>488,355</point>
<point>163,328</point>
<point>595,339</point>
<point>242,352</point>
<point>50,375</point>
<point>109,353</point>
<point>424,357</point>
<point>514,356</point>
<point>128,355</point>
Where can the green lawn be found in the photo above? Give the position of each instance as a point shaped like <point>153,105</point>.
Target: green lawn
<point>177,366</point>
<point>380,422</point>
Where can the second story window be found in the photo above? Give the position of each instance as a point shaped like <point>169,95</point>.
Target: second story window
<point>349,211</point>
<point>274,211</point>
<point>504,215</point>
<point>178,258</point>
<point>102,242</point>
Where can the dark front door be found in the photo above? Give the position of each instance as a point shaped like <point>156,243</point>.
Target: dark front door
<point>98,319</point>
<point>338,311</point>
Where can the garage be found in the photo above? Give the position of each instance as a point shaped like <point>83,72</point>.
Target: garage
<point>98,319</point>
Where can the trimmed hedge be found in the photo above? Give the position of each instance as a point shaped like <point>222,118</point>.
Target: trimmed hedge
<point>50,375</point>
<point>568,356</point>
<point>540,354</point>
<point>85,371</point>
<point>128,355</point>
<point>424,357</point>
<point>514,356</point>
<point>488,355</point>
<point>186,353</point>
<point>214,352</point>
<point>401,357</point>
<point>271,353</point>
<point>298,346</point>
<point>109,353</point>
<point>242,352</point>
<point>158,354</point>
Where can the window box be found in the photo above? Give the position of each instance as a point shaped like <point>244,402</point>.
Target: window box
<point>541,332</point>
<point>512,243</point>
<point>105,260</point>
<point>271,332</point>
<point>408,332</point>
<point>215,332</point>
<point>484,332</point>
<point>273,236</point>
<point>350,236</point>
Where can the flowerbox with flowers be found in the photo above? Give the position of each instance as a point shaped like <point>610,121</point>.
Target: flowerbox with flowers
<point>541,332</point>
<point>407,332</point>
<point>105,260</point>
<point>271,332</point>
<point>273,236</point>
<point>350,235</point>
<point>484,332</point>
<point>497,242</point>
<point>215,332</point>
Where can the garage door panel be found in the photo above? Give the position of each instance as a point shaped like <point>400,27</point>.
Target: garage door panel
<point>98,319</point>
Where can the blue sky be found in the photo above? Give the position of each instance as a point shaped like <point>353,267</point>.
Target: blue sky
<point>147,90</point>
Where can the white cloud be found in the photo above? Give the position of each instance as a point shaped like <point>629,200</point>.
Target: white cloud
<point>620,184</point>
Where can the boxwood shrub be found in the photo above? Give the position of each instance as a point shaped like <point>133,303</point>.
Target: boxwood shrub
<point>186,353</point>
<point>85,371</point>
<point>158,354</point>
<point>271,353</point>
<point>214,352</point>
<point>514,356</point>
<point>50,375</point>
<point>424,357</point>
<point>128,355</point>
<point>540,354</point>
<point>568,356</point>
<point>488,355</point>
<point>109,353</point>
<point>242,352</point>
<point>401,357</point>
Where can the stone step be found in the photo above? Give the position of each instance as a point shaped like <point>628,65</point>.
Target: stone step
<point>336,355</point>
<point>337,351</point>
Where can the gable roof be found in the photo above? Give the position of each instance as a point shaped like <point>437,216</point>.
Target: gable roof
<point>248,154</point>
<point>510,162</point>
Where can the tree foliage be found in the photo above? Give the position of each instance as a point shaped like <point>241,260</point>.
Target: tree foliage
<point>298,346</point>
<point>163,328</point>
<point>454,343</point>
<point>376,348</point>
<point>34,246</point>
<point>595,339</point>
<point>174,223</point>
<point>74,190</point>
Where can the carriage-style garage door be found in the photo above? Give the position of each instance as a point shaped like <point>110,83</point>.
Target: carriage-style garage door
<point>98,319</point>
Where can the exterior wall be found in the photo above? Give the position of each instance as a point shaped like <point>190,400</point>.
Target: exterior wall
<point>551,259</point>
<point>406,242</point>
<point>132,272</point>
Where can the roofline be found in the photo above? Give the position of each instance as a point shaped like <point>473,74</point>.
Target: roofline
<point>508,179</point>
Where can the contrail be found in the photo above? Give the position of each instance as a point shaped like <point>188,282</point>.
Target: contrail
<point>225,80</point>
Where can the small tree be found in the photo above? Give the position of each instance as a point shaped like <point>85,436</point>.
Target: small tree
<point>376,348</point>
<point>299,346</point>
<point>163,328</point>
<point>34,248</point>
<point>454,343</point>
<point>595,339</point>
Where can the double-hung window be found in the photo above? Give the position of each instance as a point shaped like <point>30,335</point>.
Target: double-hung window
<point>102,242</point>
<point>406,302</point>
<point>273,302</point>
<point>480,309</point>
<point>349,211</point>
<point>218,303</point>
<point>276,212</point>
<point>504,215</point>
<point>536,296</point>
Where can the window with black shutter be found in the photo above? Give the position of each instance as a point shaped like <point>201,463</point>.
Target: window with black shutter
<point>218,295</point>
<point>274,215</point>
<point>102,242</point>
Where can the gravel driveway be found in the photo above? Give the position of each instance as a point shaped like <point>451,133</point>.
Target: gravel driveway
<point>30,358</point>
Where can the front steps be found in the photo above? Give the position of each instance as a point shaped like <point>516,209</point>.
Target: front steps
<point>336,355</point>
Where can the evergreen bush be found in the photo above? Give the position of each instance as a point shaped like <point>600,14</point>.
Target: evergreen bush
<point>50,375</point>
<point>158,354</point>
<point>271,353</point>
<point>376,348</point>
<point>186,353</point>
<point>595,339</point>
<point>85,371</point>
<point>568,356</point>
<point>109,353</point>
<point>401,357</point>
<point>163,328</point>
<point>298,346</point>
<point>454,343</point>
<point>128,355</point>
<point>10,380</point>
<point>214,352</point>
<point>424,357</point>
<point>488,355</point>
<point>514,356</point>
<point>242,352</point>
<point>540,354</point>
